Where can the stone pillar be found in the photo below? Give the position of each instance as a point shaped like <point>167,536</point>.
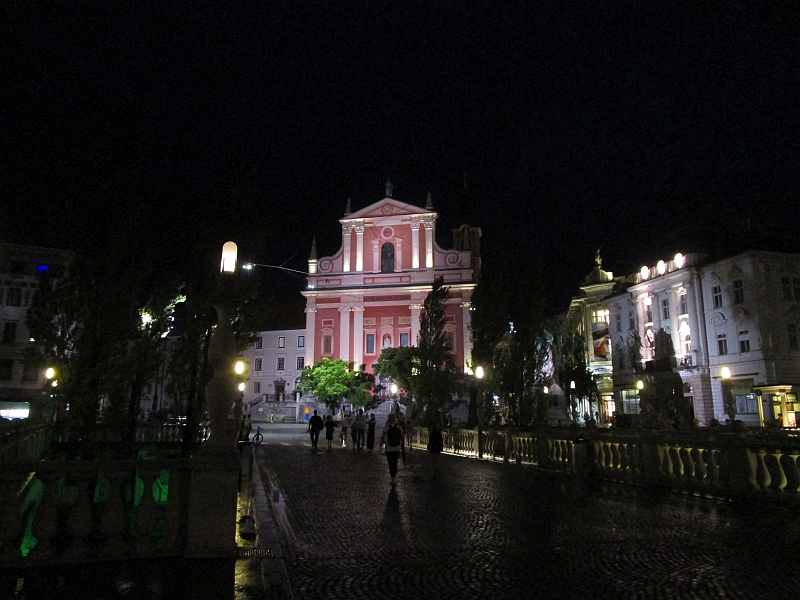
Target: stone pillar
<point>428,244</point>
<point>359,247</point>
<point>415,245</point>
<point>376,256</point>
<point>346,237</point>
<point>311,328</point>
<point>358,335</point>
<point>344,333</point>
<point>466,318</point>
<point>398,254</point>
<point>416,309</point>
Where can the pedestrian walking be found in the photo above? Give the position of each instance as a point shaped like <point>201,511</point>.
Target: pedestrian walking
<point>392,438</point>
<point>329,427</point>
<point>360,427</point>
<point>435,441</point>
<point>315,425</point>
<point>345,425</point>
<point>371,432</point>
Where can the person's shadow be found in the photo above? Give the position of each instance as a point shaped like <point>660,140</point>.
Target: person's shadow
<point>391,523</point>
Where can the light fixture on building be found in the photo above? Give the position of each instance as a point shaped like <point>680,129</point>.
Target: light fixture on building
<point>229,252</point>
<point>645,272</point>
<point>679,260</point>
<point>725,373</point>
<point>640,385</point>
<point>661,267</point>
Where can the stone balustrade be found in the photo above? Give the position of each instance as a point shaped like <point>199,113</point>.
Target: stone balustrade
<point>65,512</point>
<point>715,462</point>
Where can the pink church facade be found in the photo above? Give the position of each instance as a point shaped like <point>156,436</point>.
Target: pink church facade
<point>369,295</point>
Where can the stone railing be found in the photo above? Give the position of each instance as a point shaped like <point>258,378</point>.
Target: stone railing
<point>24,441</point>
<point>65,512</point>
<point>716,462</point>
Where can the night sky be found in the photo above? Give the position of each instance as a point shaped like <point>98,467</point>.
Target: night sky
<point>625,125</point>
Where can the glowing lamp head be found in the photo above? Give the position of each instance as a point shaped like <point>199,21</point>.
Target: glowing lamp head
<point>55,383</point>
<point>546,390</point>
<point>479,372</point>
<point>241,387</point>
<point>50,373</point>
<point>239,367</point>
<point>661,267</point>
<point>394,388</point>
<point>572,385</point>
<point>640,385</point>
<point>679,260</point>
<point>725,373</point>
<point>229,252</point>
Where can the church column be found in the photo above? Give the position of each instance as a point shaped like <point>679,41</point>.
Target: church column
<point>359,247</point>
<point>466,319</point>
<point>415,312</point>
<point>376,256</point>
<point>358,336</point>
<point>346,238</point>
<point>344,333</point>
<point>428,244</point>
<point>398,254</point>
<point>415,245</point>
<point>311,329</point>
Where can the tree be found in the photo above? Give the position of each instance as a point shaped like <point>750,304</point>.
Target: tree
<point>568,351</point>
<point>396,364</point>
<point>433,374</point>
<point>328,379</point>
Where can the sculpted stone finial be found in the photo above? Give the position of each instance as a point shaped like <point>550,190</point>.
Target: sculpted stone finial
<point>347,211</point>
<point>429,203</point>
<point>388,188</point>
<point>597,258</point>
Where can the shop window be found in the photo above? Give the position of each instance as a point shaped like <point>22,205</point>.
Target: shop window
<point>746,404</point>
<point>281,363</point>
<point>722,344</point>
<point>630,402</point>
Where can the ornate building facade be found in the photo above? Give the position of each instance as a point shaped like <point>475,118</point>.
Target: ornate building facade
<point>369,294</point>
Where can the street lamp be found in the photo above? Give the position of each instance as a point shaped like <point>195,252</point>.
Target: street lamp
<point>479,372</point>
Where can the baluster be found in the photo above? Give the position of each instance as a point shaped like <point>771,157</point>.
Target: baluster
<point>145,519</point>
<point>781,479</point>
<point>112,521</point>
<point>173,529</point>
<point>616,458</point>
<point>45,522</point>
<point>699,465</point>
<point>688,463</point>
<point>11,522</point>
<point>79,521</point>
<point>763,478</point>
<point>793,471</point>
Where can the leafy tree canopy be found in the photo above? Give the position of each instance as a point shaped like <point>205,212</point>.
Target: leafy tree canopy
<point>328,379</point>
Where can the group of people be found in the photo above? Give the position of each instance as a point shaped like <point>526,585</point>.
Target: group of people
<point>396,435</point>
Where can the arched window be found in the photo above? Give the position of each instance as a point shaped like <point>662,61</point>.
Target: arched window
<point>387,258</point>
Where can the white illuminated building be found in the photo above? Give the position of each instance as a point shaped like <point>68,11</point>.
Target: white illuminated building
<point>741,312</point>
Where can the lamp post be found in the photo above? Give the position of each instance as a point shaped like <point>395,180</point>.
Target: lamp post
<point>221,391</point>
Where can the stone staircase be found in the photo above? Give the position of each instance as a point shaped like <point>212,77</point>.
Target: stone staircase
<point>382,411</point>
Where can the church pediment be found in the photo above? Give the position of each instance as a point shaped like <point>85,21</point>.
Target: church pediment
<point>388,207</point>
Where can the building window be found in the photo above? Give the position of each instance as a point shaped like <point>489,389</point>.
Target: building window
<point>30,373</point>
<point>327,344</point>
<point>722,344</point>
<point>301,363</point>
<point>618,319</point>
<point>450,341</point>
<point>370,343</point>
<point>6,370</point>
<point>796,284</point>
<point>631,320</point>
<point>787,288</point>
<point>791,330</point>
<point>600,316</point>
<point>716,291</point>
<point>257,387</point>
<point>281,363</point>
<point>301,341</point>
<point>14,296</point>
<point>682,304</point>
<point>687,344</point>
<point>27,301</point>
<point>738,291</point>
<point>281,342</point>
<point>665,309</point>
<point>404,340</point>
<point>387,258</point>
<point>259,343</point>
<point>630,402</point>
<point>9,332</point>
<point>744,341</point>
<point>257,364</point>
<point>648,313</point>
<point>746,403</point>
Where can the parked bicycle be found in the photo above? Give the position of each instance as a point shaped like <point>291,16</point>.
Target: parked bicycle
<point>258,437</point>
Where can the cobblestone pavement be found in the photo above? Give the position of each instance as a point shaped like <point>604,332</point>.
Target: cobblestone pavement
<point>487,530</point>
